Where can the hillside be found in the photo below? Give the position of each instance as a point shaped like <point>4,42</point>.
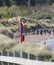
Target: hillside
<point>10,29</point>
<point>28,8</point>
<point>36,14</point>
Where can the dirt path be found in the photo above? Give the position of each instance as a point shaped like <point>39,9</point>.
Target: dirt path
<point>38,38</point>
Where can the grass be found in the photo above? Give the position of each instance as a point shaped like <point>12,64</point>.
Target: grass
<point>6,42</point>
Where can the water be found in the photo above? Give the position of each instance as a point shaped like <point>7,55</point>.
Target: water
<point>51,43</point>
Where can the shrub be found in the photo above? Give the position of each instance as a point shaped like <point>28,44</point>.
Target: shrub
<point>6,15</point>
<point>42,15</point>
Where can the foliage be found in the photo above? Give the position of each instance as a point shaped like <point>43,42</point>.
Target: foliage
<point>23,11</point>
<point>24,2</point>
<point>12,11</point>
<point>42,15</point>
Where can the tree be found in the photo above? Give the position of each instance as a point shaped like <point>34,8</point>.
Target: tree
<point>43,2</point>
<point>28,3</point>
<point>13,2</point>
<point>7,3</point>
<point>33,2</point>
<point>1,2</point>
<point>24,2</point>
<point>21,2</point>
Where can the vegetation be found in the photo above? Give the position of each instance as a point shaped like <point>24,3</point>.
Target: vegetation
<point>12,8</point>
<point>24,2</point>
<point>42,15</point>
<point>14,11</point>
<point>10,28</point>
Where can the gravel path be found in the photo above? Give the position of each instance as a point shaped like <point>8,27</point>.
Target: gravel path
<point>38,38</point>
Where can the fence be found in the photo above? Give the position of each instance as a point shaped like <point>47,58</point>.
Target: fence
<point>23,55</point>
<point>21,58</point>
<point>16,54</point>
